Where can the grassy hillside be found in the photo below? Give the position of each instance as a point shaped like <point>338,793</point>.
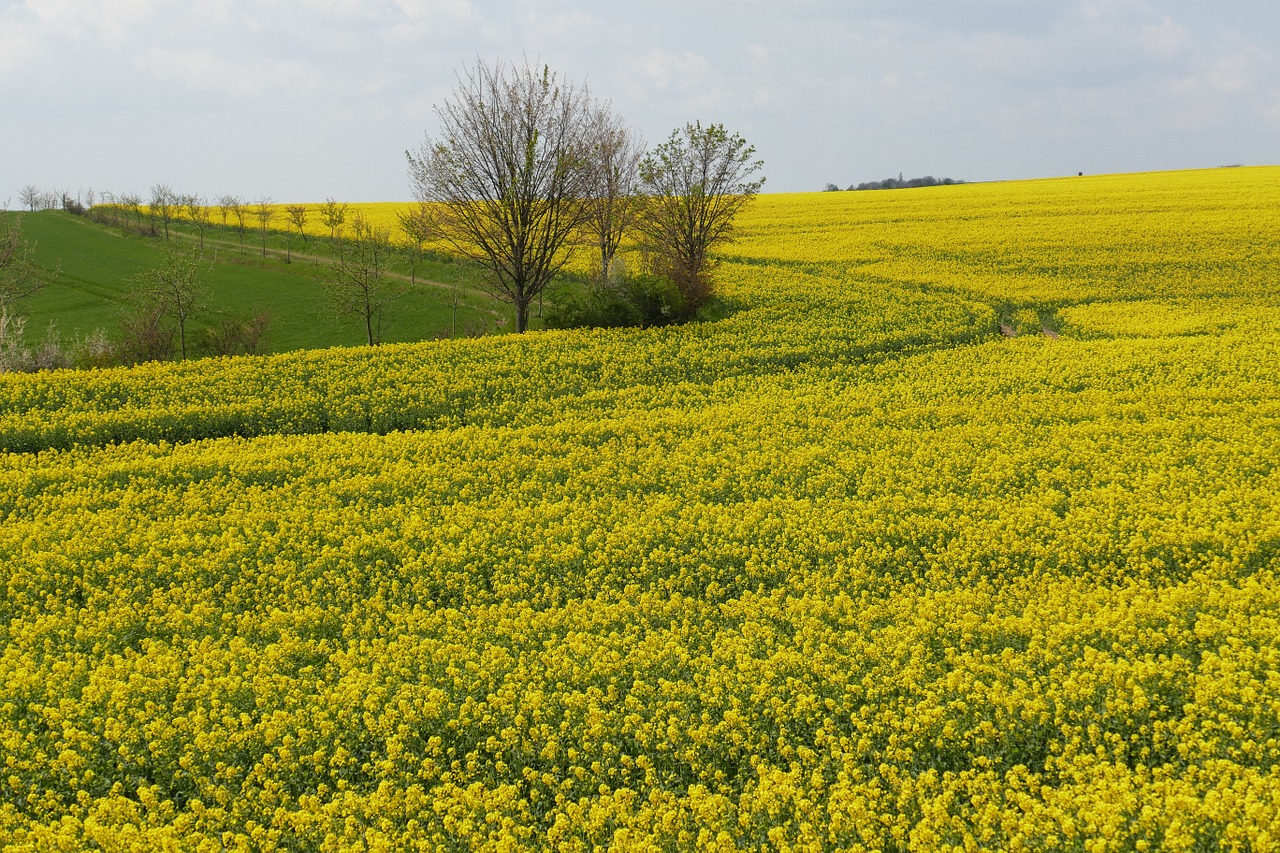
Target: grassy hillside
<point>961,532</point>
<point>97,269</point>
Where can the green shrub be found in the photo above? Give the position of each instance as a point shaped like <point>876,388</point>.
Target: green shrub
<point>641,300</point>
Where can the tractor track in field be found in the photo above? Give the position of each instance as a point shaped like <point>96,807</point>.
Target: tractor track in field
<point>320,260</point>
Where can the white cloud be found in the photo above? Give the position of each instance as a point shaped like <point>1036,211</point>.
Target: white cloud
<point>1237,72</point>
<point>1269,108</point>
<point>76,18</point>
<point>825,89</point>
<point>548,27</point>
<point>682,72</point>
<point>1165,39</point>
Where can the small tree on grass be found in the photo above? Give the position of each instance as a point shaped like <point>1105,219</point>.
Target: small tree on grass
<point>333,215</point>
<point>198,213</point>
<point>164,205</point>
<point>132,202</point>
<point>358,282</point>
<point>417,228</point>
<point>265,212</point>
<point>298,218</point>
<point>694,185</point>
<point>146,333</point>
<point>241,213</point>
<point>176,290</point>
<point>226,204</point>
<point>19,277</point>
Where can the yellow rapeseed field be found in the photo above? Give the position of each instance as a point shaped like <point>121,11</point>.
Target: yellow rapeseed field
<point>961,531</point>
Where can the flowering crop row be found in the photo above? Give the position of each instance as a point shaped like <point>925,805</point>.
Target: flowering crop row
<point>500,380</point>
<point>846,570</point>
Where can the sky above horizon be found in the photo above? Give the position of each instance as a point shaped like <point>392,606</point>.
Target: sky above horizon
<point>303,100</point>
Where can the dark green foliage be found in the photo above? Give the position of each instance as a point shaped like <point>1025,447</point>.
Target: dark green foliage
<point>642,300</point>
<point>899,184</point>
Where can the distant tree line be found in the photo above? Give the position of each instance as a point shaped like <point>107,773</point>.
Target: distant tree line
<point>32,199</point>
<point>897,184</point>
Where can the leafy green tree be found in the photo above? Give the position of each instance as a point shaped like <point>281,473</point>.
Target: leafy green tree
<point>333,215</point>
<point>694,184</point>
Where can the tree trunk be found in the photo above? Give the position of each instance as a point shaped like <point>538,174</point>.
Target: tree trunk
<point>522,315</point>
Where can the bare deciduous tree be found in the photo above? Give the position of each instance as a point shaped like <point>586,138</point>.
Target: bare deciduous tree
<point>133,203</point>
<point>163,204</point>
<point>264,210</point>
<point>358,283</point>
<point>177,288</point>
<point>694,184</point>
<point>225,205</point>
<point>240,213</point>
<point>617,152</point>
<point>298,218</point>
<point>29,197</point>
<point>198,213</point>
<point>146,333</point>
<point>19,277</point>
<point>417,227</point>
<point>506,181</point>
<point>235,335</point>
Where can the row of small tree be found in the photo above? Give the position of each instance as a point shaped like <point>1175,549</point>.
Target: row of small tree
<point>154,322</point>
<point>154,317</point>
<point>154,215</point>
<point>32,198</point>
<point>525,164</point>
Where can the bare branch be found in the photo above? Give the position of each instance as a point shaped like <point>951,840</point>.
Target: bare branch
<point>506,181</point>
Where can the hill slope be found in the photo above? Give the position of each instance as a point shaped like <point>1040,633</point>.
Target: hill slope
<point>97,269</point>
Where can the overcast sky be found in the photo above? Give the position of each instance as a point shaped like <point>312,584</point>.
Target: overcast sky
<point>302,99</point>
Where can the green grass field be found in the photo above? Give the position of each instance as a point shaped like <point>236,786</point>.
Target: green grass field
<point>97,269</point>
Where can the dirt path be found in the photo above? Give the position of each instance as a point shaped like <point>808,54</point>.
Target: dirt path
<point>233,246</point>
<point>1010,332</point>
